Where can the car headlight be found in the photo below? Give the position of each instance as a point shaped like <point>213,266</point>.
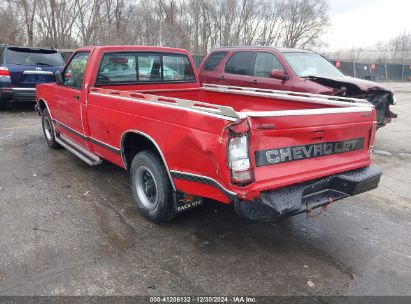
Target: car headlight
<point>394,99</point>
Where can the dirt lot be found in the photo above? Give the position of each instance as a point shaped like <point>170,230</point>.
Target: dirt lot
<point>70,229</point>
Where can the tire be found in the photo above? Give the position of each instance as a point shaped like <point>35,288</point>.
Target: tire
<point>151,187</point>
<point>3,104</point>
<point>48,130</point>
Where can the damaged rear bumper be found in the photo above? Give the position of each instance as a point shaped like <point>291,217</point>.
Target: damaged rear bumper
<point>310,195</point>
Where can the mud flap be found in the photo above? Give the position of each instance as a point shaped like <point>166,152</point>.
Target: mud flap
<point>184,202</point>
<point>307,196</point>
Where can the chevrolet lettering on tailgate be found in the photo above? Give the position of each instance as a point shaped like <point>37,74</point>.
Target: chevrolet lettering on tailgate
<point>288,154</point>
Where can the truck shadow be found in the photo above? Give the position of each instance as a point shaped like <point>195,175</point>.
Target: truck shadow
<point>15,107</point>
<point>213,229</point>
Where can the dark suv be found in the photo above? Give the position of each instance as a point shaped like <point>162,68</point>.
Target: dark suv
<point>22,68</point>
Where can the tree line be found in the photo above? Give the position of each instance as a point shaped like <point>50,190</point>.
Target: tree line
<point>197,25</point>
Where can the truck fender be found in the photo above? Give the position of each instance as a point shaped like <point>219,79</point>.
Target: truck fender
<point>41,105</point>
<point>154,146</point>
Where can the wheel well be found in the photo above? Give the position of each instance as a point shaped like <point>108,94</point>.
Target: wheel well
<point>133,143</point>
<point>41,106</point>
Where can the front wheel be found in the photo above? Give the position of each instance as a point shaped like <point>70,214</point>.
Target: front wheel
<point>48,130</point>
<point>151,187</point>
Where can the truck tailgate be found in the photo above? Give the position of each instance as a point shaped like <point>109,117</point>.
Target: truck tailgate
<point>289,148</point>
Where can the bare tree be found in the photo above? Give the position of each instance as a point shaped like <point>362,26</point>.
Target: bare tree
<point>55,22</point>
<point>198,25</point>
<point>270,29</point>
<point>89,18</point>
<point>303,21</point>
<point>27,9</point>
<point>10,29</point>
<point>401,46</point>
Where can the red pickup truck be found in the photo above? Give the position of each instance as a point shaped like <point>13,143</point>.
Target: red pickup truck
<point>272,154</point>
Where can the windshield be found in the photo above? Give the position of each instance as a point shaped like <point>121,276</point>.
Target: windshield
<point>311,64</point>
<point>24,56</point>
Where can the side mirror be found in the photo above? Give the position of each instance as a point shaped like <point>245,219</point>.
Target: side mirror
<point>58,77</point>
<point>279,74</point>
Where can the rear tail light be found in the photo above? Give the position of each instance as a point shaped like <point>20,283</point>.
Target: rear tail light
<point>238,156</point>
<point>4,72</point>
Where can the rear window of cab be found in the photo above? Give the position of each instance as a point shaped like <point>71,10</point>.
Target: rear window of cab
<point>134,68</point>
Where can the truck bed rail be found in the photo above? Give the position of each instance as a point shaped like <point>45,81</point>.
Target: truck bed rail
<point>289,95</point>
<point>349,105</point>
<point>186,104</point>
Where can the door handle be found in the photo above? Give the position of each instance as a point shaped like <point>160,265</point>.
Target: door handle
<point>76,97</point>
<point>221,77</point>
<point>318,135</point>
<point>254,81</point>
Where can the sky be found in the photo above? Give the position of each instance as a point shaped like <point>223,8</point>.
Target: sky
<point>362,23</point>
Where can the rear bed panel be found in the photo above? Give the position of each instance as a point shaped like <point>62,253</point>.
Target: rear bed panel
<point>292,150</point>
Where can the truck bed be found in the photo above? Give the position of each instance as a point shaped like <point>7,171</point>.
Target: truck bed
<point>249,101</point>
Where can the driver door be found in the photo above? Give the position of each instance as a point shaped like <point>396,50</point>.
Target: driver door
<point>68,99</point>
<point>264,63</point>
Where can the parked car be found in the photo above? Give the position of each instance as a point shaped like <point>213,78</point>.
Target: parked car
<point>22,68</point>
<point>271,155</point>
<point>291,70</point>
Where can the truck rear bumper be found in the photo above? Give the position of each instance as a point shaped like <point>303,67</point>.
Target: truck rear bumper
<point>309,195</point>
<point>18,94</point>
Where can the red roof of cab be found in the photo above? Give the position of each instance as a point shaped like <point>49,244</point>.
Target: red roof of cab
<point>108,48</point>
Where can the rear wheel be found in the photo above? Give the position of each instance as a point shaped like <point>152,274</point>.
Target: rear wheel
<point>48,130</point>
<point>151,187</point>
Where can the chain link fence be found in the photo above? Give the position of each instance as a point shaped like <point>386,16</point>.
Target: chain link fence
<point>375,72</point>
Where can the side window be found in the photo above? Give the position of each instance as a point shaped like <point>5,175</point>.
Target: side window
<point>240,63</point>
<point>265,63</point>
<point>213,60</point>
<point>74,73</point>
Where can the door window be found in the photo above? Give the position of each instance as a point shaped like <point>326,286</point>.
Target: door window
<point>265,63</point>
<point>213,60</point>
<point>240,63</point>
<point>74,73</point>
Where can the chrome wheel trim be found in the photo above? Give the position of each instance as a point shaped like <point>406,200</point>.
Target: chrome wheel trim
<point>48,130</point>
<point>146,187</point>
